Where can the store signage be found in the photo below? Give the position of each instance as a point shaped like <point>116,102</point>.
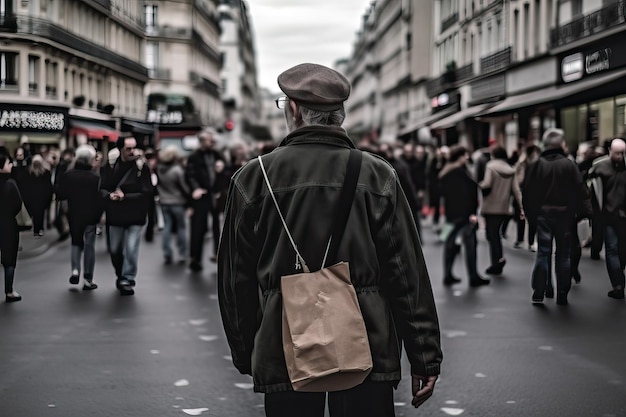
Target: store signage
<point>165,117</point>
<point>598,61</point>
<point>30,120</point>
<point>572,67</point>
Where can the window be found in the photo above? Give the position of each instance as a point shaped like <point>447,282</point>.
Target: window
<point>51,78</point>
<point>152,55</point>
<point>33,73</point>
<point>8,70</point>
<point>150,13</point>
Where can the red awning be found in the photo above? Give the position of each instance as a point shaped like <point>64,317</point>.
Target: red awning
<point>93,131</point>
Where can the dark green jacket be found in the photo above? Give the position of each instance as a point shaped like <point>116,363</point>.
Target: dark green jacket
<point>380,242</point>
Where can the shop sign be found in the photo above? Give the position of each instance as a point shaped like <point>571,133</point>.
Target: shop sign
<point>165,117</point>
<point>598,61</point>
<point>32,120</point>
<point>572,68</point>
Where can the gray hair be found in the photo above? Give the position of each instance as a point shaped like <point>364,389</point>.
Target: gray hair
<point>553,138</point>
<point>85,154</point>
<point>324,118</point>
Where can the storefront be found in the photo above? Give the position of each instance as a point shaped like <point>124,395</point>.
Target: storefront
<point>40,126</point>
<point>597,114</point>
<point>95,128</point>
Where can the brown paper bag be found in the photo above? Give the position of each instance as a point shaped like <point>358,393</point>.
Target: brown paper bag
<point>324,336</point>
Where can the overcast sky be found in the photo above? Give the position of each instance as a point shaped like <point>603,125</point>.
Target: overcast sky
<point>290,32</point>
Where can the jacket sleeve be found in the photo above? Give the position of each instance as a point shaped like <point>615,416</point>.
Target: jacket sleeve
<point>147,189</point>
<point>405,281</point>
<point>238,290</point>
<point>486,183</point>
<point>15,200</point>
<point>192,171</point>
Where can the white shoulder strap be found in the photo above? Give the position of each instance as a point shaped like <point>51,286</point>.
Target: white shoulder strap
<point>305,268</point>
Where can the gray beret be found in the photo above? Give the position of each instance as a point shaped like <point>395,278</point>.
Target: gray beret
<point>315,86</point>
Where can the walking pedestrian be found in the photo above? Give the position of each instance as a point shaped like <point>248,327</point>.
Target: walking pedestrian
<point>499,187</point>
<point>380,242</point>
<point>126,190</point>
<point>37,192</point>
<point>552,196</point>
<point>10,206</point>
<point>611,189</point>
<point>200,174</point>
<point>80,187</point>
<point>173,198</point>
<point>460,195</point>
<point>531,154</point>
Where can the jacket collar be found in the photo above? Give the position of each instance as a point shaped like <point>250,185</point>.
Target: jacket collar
<point>328,135</point>
<point>552,153</point>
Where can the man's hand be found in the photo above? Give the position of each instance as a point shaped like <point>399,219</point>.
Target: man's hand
<point>473,219</point>
<point>423,387</point>
<point>198,193</point>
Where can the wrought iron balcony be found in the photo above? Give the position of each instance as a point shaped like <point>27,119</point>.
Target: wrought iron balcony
<point>465,72</point>
<point>495,62</point>
<point>39,27</point>
<point>160,73</point>
<point>608,17</point>
<point>449,21</point>
<point>168,32</point>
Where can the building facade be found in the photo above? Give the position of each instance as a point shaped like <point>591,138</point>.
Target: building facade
<point>183,58</point>
<point>70,71</point>
<point>240,92</point>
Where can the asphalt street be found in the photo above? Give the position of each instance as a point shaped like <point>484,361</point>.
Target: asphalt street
<point>67,352</point>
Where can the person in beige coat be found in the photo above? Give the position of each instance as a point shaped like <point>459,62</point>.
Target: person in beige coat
<point>498,187</point>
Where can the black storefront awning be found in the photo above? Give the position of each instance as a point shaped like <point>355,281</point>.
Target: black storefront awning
<point>138,127</point>
<point>427,121</point>
<point>457,117</point>
<point>552,94</point>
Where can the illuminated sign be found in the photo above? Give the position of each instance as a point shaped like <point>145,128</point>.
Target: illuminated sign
<point>572,68</point>
<point>165,117</point>
<point>32,120</point>
<point>598,61</point>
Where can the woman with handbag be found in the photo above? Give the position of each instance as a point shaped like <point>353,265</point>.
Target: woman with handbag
<point>37,192</point>
<point>10,206</point>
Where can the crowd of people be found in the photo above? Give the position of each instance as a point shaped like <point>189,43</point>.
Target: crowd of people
<point>130,191</point>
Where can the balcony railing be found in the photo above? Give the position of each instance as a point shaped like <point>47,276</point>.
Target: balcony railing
<point>449,21</point>
<point>40,27</point>
<point>495,62</point>
<point>169,32</point>
<point>465,72</point>
<point>160,73</point>
<point>599,21</point>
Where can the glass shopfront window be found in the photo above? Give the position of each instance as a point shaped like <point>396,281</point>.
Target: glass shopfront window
<point>620,116</point>
<point>597,121</point>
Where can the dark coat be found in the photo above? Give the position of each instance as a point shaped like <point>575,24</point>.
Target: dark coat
<point>459,191</point>
<point>138,190</point>
<point>553,185</point>
<point>80,187</point>
<point>381,243</point>
<point>10,205</point>
<point>198,173</point>
<point>37,192</point>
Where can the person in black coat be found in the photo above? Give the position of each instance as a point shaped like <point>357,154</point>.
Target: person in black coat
<point>200,174</point>
<point>37,192</point>
<point>460,194</point>
<point>80,187</point>
<point>10,206</point>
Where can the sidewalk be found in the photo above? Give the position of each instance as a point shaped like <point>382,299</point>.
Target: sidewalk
<point>31,246</point>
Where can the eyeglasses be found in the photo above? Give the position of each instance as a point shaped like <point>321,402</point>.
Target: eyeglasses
<point>281,102</point>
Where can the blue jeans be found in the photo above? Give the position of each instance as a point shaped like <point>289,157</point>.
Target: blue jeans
<point>615,248</point>
<point>557,227</point>
<point>174,214</point>
<point>88,251</point>
<point>124,249</point>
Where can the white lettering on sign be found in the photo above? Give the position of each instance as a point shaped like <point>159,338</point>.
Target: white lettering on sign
<point>598,61</point>
<point>170,117</point>
<point>572,68</point>
<point>33,120</point>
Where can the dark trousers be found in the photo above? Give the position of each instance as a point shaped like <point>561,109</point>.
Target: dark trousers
<point>615,249</point>
<point>493,225</point>
<point>199,224</point>
<point>467,230</point>
<point>435,204</point>
<point>369,399</point>
<point>216,220</point>
<point>576,251</point>
<point>152,217</point>
<point>558,228</point>
<point>597,233</point>
<point>532,230</point>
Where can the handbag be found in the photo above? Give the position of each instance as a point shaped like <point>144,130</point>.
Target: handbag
<point>325,341</point>
<point>24,221</point>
